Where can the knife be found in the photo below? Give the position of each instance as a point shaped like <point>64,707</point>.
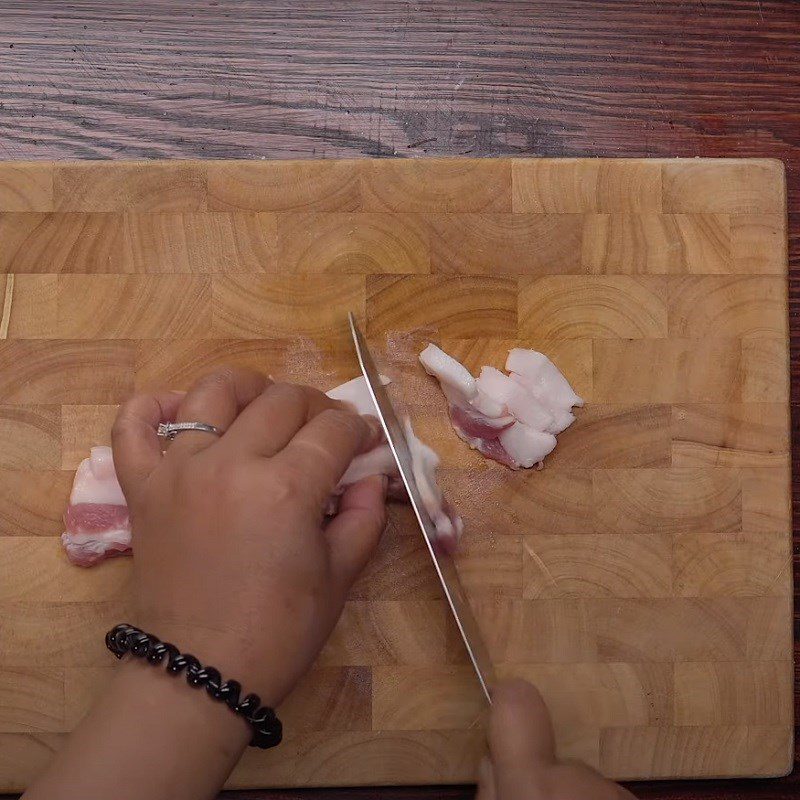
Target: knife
<point>442,562</point>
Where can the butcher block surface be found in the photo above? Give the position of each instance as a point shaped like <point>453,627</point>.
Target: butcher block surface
<point>642,579</point>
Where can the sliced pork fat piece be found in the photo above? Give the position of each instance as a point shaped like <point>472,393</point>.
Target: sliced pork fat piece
<point>458,385</point>
<point>511,418</point>
<point>356,394</point>
<point>380,461</point>
<point>542,378</point>
<point>96,521</point>
<point>525,445</point>
<point>424,462</point>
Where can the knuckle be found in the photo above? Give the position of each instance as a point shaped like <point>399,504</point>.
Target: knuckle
<point>293,393</point>
<point>287,484</point>
<point>220,376</point>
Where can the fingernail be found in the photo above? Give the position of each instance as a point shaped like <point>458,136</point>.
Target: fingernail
<point>179,392</point>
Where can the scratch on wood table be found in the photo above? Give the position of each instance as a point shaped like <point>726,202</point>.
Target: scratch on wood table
<point>8,297</point>
<point>312,79</point>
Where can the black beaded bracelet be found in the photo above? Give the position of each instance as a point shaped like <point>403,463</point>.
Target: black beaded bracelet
<point>267,728</point>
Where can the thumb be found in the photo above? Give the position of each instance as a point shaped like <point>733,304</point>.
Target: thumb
<point>521,740</point>
<point>354,533</point>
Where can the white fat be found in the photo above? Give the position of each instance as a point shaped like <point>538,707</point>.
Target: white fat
<point>98,541</point>
<point>102,463</point>
<point>561,421</point>
<point>456,380</point>
<point>487,405</point>
<point>542,377</point>
<point>424,462</point>
<point>525,408</point>
<point>356,394</point>
<point>525,445</point>
<point>495,384</point>
<point>88,488</point>
<point>378,461</point>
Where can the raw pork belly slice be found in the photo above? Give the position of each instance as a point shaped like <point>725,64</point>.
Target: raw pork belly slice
<point>510,418</point>
<point>97,525</point>
<point>380,461</point>
<point>96,520</point>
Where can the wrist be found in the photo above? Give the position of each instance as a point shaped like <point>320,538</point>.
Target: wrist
<point>187,743</point>
<point>153,697</point>
<point>227,651</point>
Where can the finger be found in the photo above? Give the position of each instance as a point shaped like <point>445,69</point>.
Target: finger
<point>486,786</point>
<point>580,780</point>
<point>324,447</point>
<point>520,730</point>
<point>136,447</point>
<point>354,533</point>
<point>216,399</point>
<point>268,424</point>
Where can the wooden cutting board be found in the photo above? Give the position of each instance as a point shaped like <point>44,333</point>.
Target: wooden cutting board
<point>642,579</point>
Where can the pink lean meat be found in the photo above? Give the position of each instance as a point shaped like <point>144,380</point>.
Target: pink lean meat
<point>97,525</point>
<point>510,418</point>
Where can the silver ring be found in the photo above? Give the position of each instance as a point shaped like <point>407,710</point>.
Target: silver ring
<point>169,430</point>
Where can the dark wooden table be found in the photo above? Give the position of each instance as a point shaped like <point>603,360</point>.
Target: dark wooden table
<point>327,78</point>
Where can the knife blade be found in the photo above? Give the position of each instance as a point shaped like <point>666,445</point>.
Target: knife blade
<point>442,562</point>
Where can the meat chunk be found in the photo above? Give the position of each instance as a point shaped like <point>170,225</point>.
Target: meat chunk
<point>96,521</point>
<point>448,524</point>
<point>510,418</point>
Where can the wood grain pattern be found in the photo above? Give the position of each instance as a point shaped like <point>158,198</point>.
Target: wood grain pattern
<point>53,243</point>
<point>733,188</point>
<point>64,371</point>
<point>734,435</point>
<point>30,436</point>
<point>572,185</point>
<point>142,186</point>
<point>590,565</point>
<point>284,306</point>
<point>287,185</point>
<point>744,307</point>
<point>593,308</point>
<point>32,701</point>
<point>32,501</point>
<point>729,564</point>
<point>496,244</point>
<point>665,243</point>
<point>457,307</point>
<point>27,187</point>
<point>368,243</point>
<point>133,307</point>
<point>670,370</point>
<point>32,570</point>
<point>442,185</point>
<point>197,242</point>
<point>31,301</point>
<point>645,565</point>
<point>646,751</point>
<point>677,500</point>
<point>733,693</point>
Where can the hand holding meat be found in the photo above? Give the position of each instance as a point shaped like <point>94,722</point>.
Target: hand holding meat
<point>234,560</point>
